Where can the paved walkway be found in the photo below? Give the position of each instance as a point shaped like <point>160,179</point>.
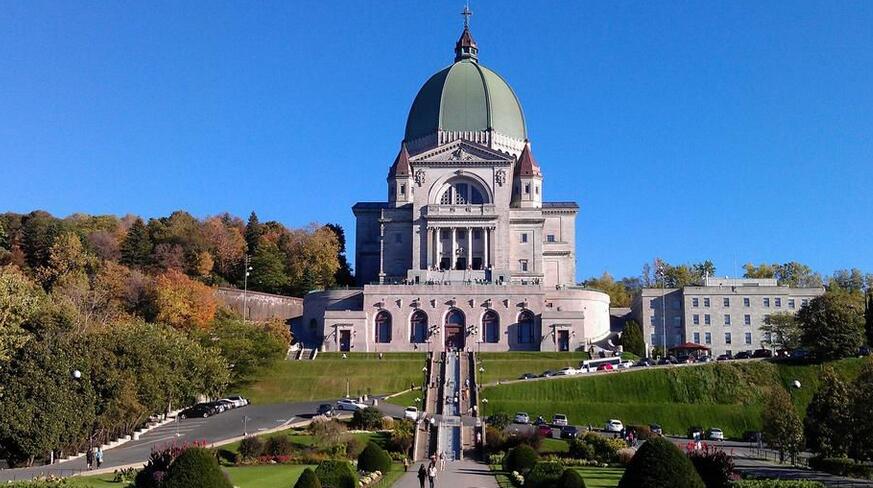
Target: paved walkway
<point>458,474</point>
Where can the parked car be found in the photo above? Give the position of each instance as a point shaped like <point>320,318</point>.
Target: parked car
<point>411,413</point>
<point>656,429</point>
<point>559,420</point>
<point>704,359</point>
<point>799,354</point>
<point>238,400</point>
<point>540,420</point>
<point>613,425</point>
<point>325,409</point>
<point>226,404</point>
<point>686,359</point>
<point>724,357</point>
<point>863,351</point>
<point>522,418</point>
<point>219,406</point>
<point>349,404</point>
<point>695,432</point>
<point>743,355</point>
<point>605,367</point>
<point>646,362</point>
<point>569,432</point>
<point>568,371</point>
<point>762,353</point>
<point>625,365</point>
<point>544,430</point>
<point>715,434</point>
<point>527,376</point>
<point>548,373</point>
<point>201,410</point>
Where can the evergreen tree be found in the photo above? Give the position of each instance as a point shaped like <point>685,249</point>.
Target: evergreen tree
<point>254,230</point>
<point>268,269</point>
<point>632,338</point>
<point>4,238</point>
<point>828,417</point>
<point>783,429</point>
<point>137,246</point>
<point>307,480</point>
<point>38,233</point>
<point>343,275</point>
<point>659,463</point>
<point>862,422</point>
<point>868,315</point>
<point>832,325</point>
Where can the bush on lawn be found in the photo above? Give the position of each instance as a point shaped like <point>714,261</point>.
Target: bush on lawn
<point>278,445</point>
<point>659,463</point>
<point>374,458</point>
<point>545,474</point>
<point>624,456</point>
<point>227,457</point>
<point>307,479</point>
<point>250,447</point>
<point>500,421</point>
<point>369,418</point>
<point>571,478</point>
<point>605,448</point>
<point>714,466</point>
<point>579,449</point>
<point>196,468</point>
<point>643,432</point>
<point>522,459</point>
<point>336,474</point>
<point>159,463</point>
<point>842,467</point>
<point>776,484</point>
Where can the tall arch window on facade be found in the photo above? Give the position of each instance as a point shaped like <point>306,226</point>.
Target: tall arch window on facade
<point>383,327</point>
<point>418,327</point>
<point>462,192</point>
<point>526,324</point>
<point>491,327</point>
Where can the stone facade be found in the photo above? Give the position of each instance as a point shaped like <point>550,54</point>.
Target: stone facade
<point>261,306</point>
<point>723,314</point>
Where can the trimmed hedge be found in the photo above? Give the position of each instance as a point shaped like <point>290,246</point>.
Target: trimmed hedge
<point>545,474</point>
<point>336,474</point>
<point>250,447</point>
<point>374,458</point>
<point>658,464</point>
<point>571,479</point>
<point>307,479</point>
<point>196,468</point>
<point>522,459</point>
<point>842,467</point>
<point>776,484</point>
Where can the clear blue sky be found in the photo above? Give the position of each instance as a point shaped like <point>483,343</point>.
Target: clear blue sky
<point>735,131</point>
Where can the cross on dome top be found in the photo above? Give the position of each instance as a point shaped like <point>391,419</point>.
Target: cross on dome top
<point>466,47</point>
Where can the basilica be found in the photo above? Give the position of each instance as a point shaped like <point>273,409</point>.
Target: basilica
<point>465,253</point>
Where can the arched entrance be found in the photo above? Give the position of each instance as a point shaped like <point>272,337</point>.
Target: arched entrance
<point>455,330</point>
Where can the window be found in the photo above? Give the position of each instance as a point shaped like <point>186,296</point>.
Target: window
<point>727,319</point>
<point>676,304</point>
<point>706,319</point>
<point>727,337</point>
<point>383,327</point>
<point>748,338</point>
<point>403,189</point>
<point>523,237</point>
<point>791,303</point>
<point>491,326</point>
<point>696,319</point>
<point>766,302</point>
<point>707,337</point>
<point>477,234</point>
<point>747,319</point>
<point>728,352</point>
<point>462,193</point>
<point>695,302</point>
<point>677,321</point>
<point>313,326</point>
<point>418,327</point>
<point>654,320</point>
<point>522,265</point>
<point>767,319</point>
<point>525,328</point>
<point>445,234</point>
<point>654,338</point>
<point>527,189</point>
<point>697,337</point>
<point>550,238</point>
<point>777,301</point>
<point>398,238</point>
<point>706,302</point>
<point>747,302</point>
<point>726,302</point>
<point>804,302</point>
<point>537,188</point>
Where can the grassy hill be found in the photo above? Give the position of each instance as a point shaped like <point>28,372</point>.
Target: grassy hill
<point>725,395</point>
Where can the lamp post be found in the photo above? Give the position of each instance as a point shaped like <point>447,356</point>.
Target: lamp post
<point>245,425</point>
<point>248,269</point>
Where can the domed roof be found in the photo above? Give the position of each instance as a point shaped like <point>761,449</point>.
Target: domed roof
<point>466,96</point>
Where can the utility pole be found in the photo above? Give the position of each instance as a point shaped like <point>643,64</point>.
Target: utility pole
<point>246,290</point>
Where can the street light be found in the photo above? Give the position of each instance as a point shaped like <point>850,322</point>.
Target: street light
<point>248,269</point>
<point>245,425</point>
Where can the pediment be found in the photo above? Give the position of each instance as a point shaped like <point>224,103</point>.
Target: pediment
<point>461,152</point>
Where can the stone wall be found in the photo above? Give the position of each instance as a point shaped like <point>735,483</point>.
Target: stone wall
<point>261,306</point>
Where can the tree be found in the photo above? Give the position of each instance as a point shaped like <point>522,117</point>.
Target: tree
<point>659,463</point>
<point>783,331</point>
<point>307,479</point>
<point>67,259</point>
<point>851,280</point>
<point>369,418</point>
<point>521,458</point>
<point>619,296</point>
<point>797,275</point>
<point>862,422</point>
<point>762,270</point>
<point>868,316</point>
<point>682,275</point>
<point>374,458</point>
<point>783,429</point>
<point>343,276</point>
<point>832,325</point>
<point>253,233</point>
<point>136,249</point>
<point>196,468</point>
<point>183,302</point>
<point>828,417</point>
<point>268,269</point>
<point>38,233</point>
<point>20,300</point>
<point>4,238</point>
<point>227,244</point>
<point>632,338</point>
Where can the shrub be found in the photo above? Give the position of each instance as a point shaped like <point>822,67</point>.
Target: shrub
<point>336,474</point>
<point>571,478</point>
<point>278,445</point>
<point>643,432</point>
<point>353,447</point>
<point>374,458</point>
<point>495,439</point>
<point>714,466</point>
<point>624,456</point>
<point>659,463</point>
<point>159,463</point>
<point>545,474</point>
<point>842,467</point>
<point>251,447</point>
<point>228,457</point>
<point>579,449</point>
<point>605,448</point>
<point>777,484</point>
<point>500,420</point>
<point>369,418</point>
<point>307,479</point>
<point>521,459</point>
<point>196,468</point>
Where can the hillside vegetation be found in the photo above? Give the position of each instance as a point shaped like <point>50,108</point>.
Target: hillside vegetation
<point>725,395</point>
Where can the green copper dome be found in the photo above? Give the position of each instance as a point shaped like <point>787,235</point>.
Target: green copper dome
<point>466,96</point>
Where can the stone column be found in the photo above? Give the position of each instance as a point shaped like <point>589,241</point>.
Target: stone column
<point>486,258</point>
<point>454,247</point>
<point>470,247</point>
<point>381,253</point>
<point>429,247</point>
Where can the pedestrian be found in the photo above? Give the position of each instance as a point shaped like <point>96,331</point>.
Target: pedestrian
<point>405,463</point>
<point>431,474</point>
<point>422,475</point>
<point>89,458</point>
<point>442,460</point>
<point>98,456</point>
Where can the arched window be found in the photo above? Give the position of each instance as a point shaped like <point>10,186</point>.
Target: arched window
<point>525,327</point>
<point>491,326</point>
<point>383,327</point>
<point>455,317</point>
<point>462,192</point>
<point>418,327</point>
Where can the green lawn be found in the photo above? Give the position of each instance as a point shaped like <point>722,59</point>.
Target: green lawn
<point>725,395</point>
<point>510,365</point>
<point>407,399</point>
<point>600,477</point>
<point>329,376</point>
<point>272,476</point>
<point>301,439</point>
<point>554,446</point>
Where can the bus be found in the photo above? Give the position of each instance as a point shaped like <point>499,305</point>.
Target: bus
<point>590,365</point>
